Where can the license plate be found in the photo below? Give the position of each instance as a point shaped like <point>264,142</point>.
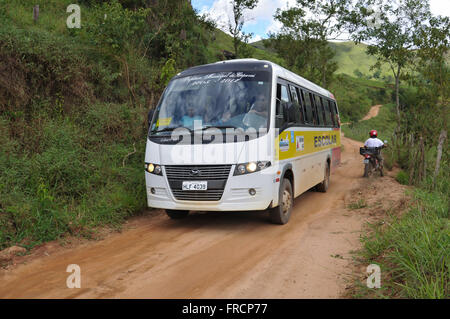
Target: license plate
<point>366,161</point>
<point>195,186</point>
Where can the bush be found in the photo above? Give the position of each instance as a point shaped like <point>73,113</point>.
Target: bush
<point>34,67</point>
<point>402,178</point>
<point>356,96</point>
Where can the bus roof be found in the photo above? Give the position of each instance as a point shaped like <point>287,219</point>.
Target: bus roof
<point>255,65</point>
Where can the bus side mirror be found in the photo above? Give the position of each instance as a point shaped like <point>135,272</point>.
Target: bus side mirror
<point>150,117</point>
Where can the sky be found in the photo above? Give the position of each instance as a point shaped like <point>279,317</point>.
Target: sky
<point>261,21</point>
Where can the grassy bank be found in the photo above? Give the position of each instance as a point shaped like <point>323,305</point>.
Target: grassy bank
<point>86,172</point>
<point>412,250</point>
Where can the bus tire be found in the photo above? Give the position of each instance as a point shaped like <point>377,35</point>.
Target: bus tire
<point>323,187</point>
<point>177,214</point>
<point>281,214</point>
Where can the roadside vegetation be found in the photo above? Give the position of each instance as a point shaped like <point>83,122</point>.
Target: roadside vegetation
<point>412,249</point>
<point>73,110</point>
<point>356,96</point>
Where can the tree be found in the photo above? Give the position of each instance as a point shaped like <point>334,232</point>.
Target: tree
<point>236,23</point>
<point>358,73</point>
<point>168,34</point>
<point>430,109</point>
<point>303,38</point>
<point>390,28</point>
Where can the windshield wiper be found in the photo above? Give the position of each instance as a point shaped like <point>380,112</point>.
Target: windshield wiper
<point>218,126</point>
<point>166,129</point>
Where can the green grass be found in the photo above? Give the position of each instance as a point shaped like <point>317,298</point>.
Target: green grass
<point>384,123</point>
<point>412,251</point>
<point>402,178</point>
<point>351,57</point>
<point>76,181</point>
<point>361,203</point>
<point>377,84</point>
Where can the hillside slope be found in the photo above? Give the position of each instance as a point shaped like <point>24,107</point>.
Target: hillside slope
<point>350,58</point>
<point>224,41</point>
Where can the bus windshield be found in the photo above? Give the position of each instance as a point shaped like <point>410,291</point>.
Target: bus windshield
<point>239,99</point>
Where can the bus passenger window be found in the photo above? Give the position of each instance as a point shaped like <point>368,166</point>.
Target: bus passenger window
<point>308,108</point>
<point>302,106</point>
<point>330,116</point>
<point>296,115</point>
<point>315,110</point>
<point>283,97</point>
<point>284,94</point>
<point>319,109</point>
<point>335,113</point>
<point>324,112</point>
<point>293,93</point>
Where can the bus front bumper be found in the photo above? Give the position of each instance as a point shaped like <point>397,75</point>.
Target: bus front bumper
<point>236,195</point>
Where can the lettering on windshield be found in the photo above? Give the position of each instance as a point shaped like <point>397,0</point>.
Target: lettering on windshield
<point>214,78</point>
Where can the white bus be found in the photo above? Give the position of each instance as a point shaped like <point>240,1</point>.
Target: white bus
<point>240,135</point>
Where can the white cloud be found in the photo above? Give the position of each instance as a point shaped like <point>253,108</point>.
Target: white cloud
<point>221,12</point>
<point>440,7</point>
<point>274,27</point>
<point>255,38</point>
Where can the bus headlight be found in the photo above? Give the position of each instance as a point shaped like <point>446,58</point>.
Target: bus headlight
<point>251,167</point>
<point>241,169</point>
<point>153,169</point>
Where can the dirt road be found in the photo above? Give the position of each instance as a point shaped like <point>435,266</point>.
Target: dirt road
<point>216,255</point>
<point>372,112</point>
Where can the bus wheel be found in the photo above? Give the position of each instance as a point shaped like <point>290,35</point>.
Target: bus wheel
<point>177,214</point>
<point>281,213</point>
<point>323,187</point>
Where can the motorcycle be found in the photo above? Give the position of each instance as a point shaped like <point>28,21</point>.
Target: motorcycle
<point>371,163</point>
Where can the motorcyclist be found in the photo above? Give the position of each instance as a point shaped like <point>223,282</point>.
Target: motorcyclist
<point>372,142</point>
